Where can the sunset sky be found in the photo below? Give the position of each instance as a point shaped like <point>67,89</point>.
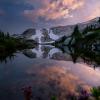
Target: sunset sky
<point>18,15</point>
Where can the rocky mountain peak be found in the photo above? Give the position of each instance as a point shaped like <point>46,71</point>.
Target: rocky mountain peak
<point>29,32</point>
<point>54,33</point>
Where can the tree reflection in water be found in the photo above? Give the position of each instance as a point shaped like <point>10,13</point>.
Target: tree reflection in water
<point>90,57</point>
<point>29,92</point>
<point>5,56</point>
<point>87,56</point>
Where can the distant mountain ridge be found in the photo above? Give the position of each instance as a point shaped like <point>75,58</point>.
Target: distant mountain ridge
<point>68,29</point>
<point>54,33</point>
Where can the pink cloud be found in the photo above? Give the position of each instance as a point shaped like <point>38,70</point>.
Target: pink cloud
<point>54,10</point>
<point>62,11</point>
<point>95,12</point>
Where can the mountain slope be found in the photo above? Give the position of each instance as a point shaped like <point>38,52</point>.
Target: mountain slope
<point>67,30</point>
<point>55,33</point>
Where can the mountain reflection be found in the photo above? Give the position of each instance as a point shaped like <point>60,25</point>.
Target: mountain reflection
<point>5,56</point>
<point>26,78</point>
<point>64,53</point>
<point>44,51</point>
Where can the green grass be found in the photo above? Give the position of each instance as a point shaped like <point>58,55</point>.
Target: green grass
<point>96,92</point>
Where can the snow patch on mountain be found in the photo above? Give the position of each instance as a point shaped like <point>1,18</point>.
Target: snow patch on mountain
<point>52,34</point>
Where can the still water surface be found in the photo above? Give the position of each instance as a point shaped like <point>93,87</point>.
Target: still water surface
<point>46,71</point>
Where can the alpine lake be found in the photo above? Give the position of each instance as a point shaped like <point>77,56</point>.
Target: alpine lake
<point>47,72</point>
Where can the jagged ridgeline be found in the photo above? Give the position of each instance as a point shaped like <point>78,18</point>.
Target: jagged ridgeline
<point>86,35</point>
<point>56,34</point>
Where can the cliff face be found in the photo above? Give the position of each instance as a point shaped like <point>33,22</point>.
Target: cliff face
<point>39,35</point>
<point>28,33</point>
<point>63,30</point>
<point>45,36</point>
